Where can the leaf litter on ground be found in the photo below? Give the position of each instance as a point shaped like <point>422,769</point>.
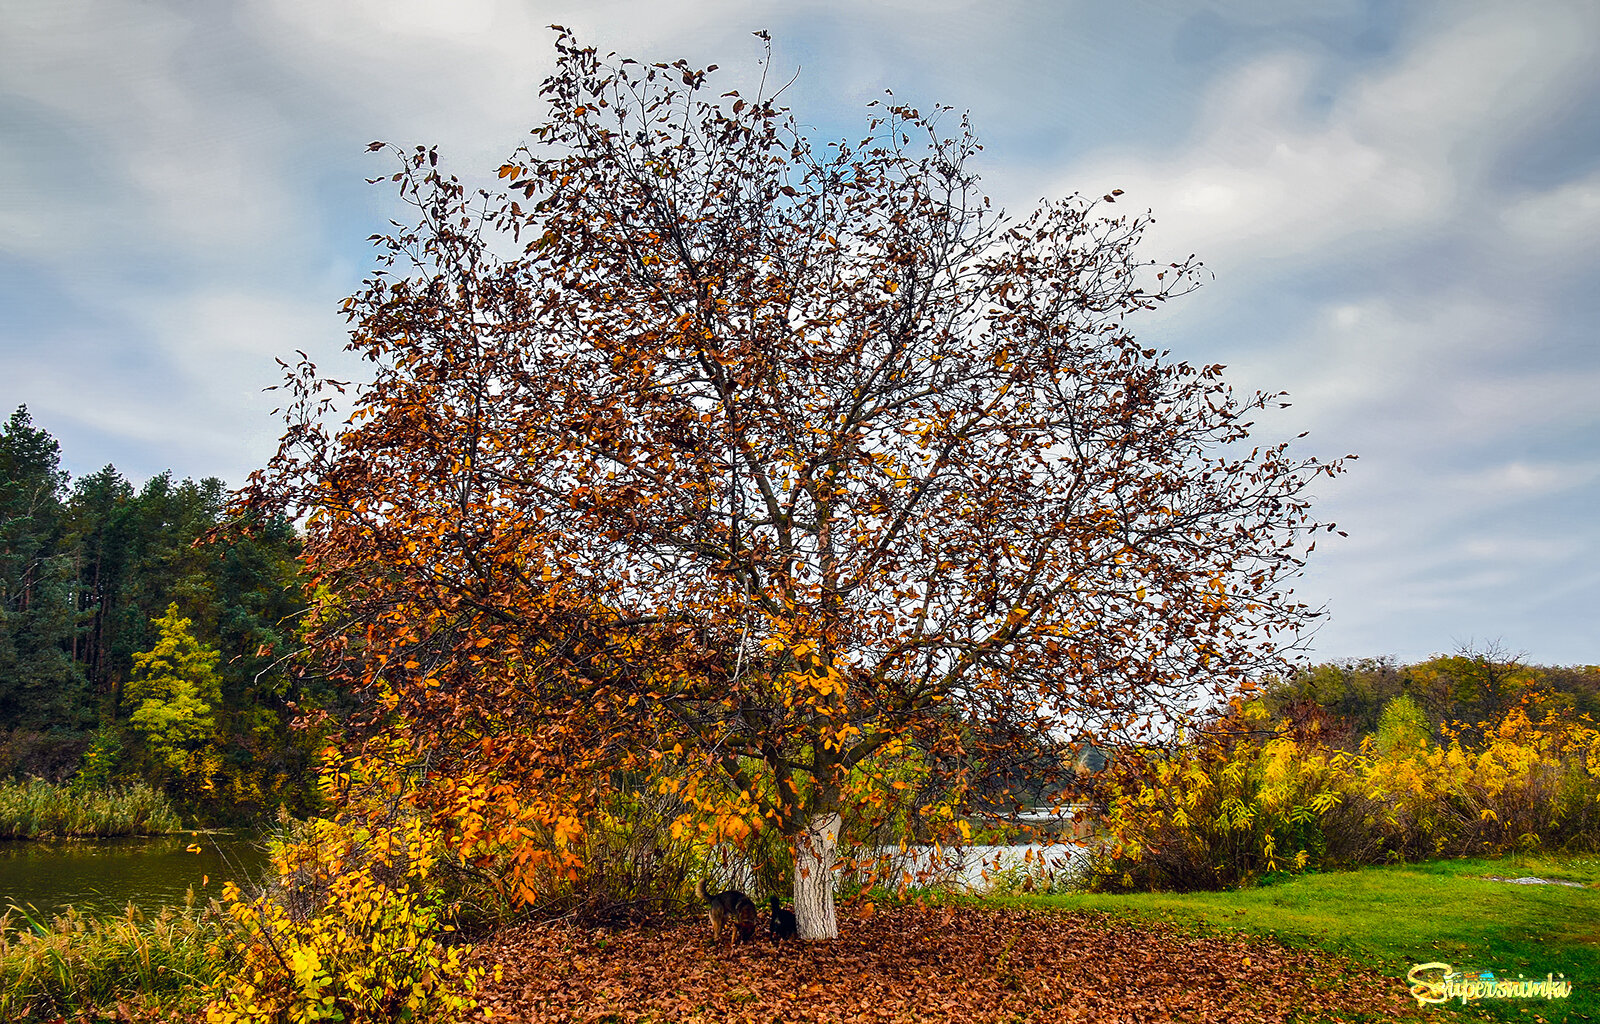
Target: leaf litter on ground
<point>928,964</point>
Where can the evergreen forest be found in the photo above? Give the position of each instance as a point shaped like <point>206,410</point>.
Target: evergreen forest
<point>134,648</point>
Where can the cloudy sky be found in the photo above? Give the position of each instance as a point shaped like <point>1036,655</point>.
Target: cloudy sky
<point>1400,203</point>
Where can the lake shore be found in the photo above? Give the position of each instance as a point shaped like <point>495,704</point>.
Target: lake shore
<point>34,809</point>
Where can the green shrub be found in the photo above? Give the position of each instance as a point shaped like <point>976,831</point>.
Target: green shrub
<point>1403,727</point>
<point>101,762</point>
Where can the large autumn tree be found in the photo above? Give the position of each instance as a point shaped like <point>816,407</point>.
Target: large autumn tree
<point>704,450</point>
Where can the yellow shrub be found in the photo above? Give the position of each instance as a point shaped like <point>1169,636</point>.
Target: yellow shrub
<point>1227,806</point>
<point>349,933</point>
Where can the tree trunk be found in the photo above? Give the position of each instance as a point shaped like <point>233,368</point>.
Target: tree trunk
<point>815,851</point>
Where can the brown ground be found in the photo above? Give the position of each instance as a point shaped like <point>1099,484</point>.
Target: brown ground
<point>914,964</point>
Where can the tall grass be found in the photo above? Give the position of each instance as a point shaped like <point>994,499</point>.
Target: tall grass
<point>40,810</point>
<point>70,965</point>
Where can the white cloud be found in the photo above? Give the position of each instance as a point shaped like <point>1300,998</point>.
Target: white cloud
<point>1478,467</point>
<point>1261,181</point>
<point>1563,220</point>
<point>181,376</point>
<point>467,75</point>
<point>1399,150</point>
<point>239,325</point>
<point>1516,550</point>
<point>1518,480</point>
<point>1435,370</point>
<point>1476,81</point>
<point>141,142</point>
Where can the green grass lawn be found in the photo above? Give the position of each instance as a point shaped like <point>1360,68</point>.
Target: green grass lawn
<point>1392,918</point>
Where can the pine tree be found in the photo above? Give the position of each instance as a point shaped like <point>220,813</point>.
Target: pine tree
<point>40,684</point>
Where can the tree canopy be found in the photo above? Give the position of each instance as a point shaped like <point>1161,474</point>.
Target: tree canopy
<point>754,465</point>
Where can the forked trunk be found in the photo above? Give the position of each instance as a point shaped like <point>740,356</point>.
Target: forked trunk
<point>815,851</point>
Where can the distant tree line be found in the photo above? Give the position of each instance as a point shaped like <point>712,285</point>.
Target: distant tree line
<point>128,649</point>
<point>1463,692</point>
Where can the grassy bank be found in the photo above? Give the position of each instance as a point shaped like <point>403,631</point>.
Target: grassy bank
<point>1395,917</point>
<point>156,965</point>
<point>40,810</point>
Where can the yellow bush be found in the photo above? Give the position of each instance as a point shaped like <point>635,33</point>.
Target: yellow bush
<point>1228,805</point>
<point>349,932</point>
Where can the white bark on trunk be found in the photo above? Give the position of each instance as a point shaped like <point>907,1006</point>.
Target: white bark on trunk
<point>815,852</point>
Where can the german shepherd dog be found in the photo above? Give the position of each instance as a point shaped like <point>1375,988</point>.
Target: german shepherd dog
<point>783,922</point>
<point>732,908</point>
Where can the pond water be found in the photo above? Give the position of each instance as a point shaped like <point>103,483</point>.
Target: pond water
<point>102,876</point>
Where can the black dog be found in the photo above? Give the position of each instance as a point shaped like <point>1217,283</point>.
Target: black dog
<point>783,923</point>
